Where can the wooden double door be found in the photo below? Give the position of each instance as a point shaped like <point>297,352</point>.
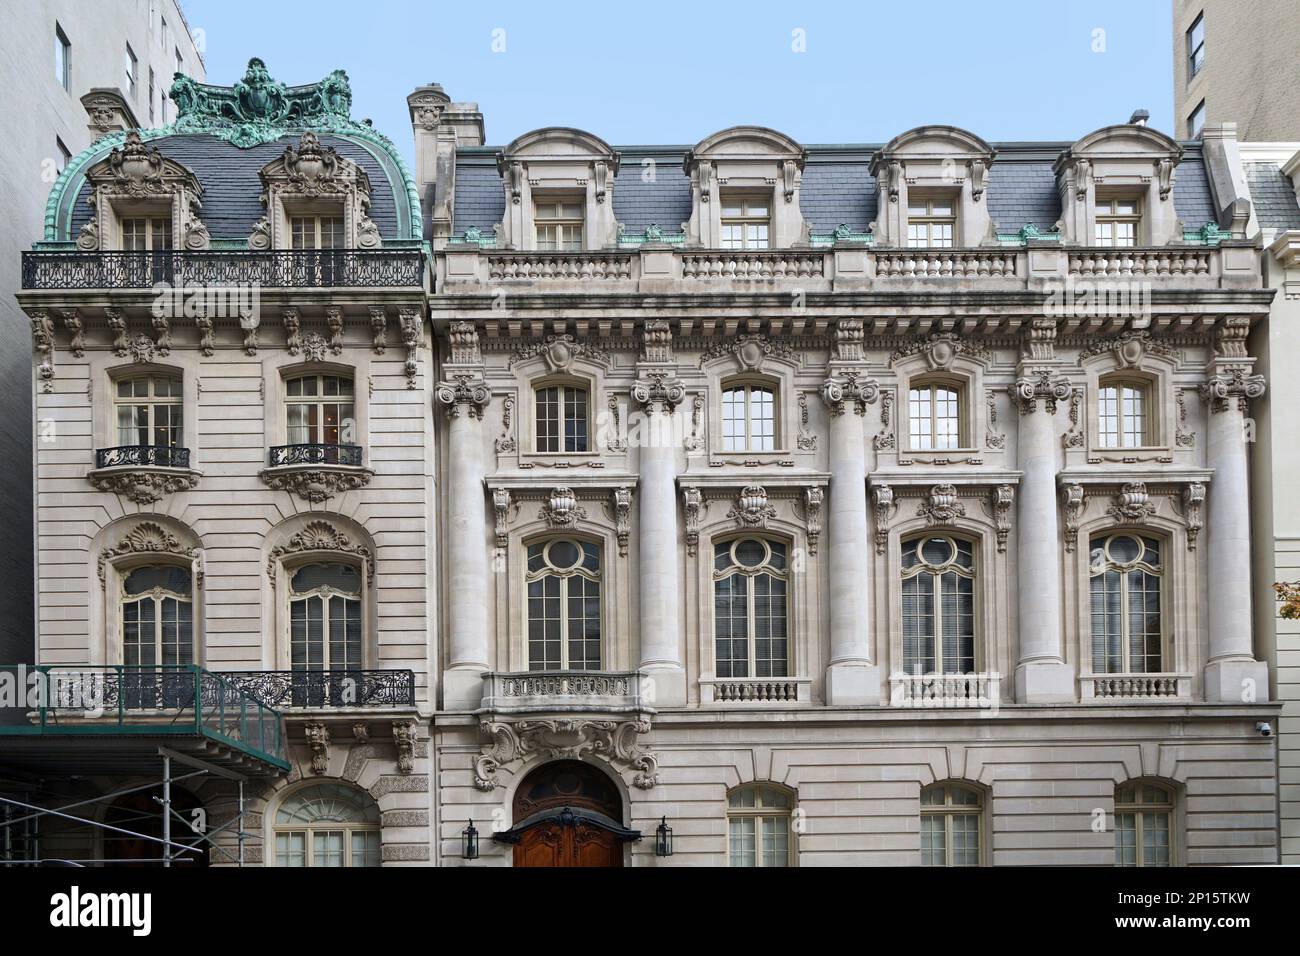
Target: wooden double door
<point>567,809</point>
<point>552,843</point>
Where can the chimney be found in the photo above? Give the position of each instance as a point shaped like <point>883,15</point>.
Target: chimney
<point>1139,118</point>
<point>109,112</point>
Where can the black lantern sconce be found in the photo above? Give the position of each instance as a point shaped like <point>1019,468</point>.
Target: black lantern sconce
<point>469,842</point>
<point>663,838</point>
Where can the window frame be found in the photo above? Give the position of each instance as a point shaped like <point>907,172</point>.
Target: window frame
<point>744,220</point>
<point>320,401</point>
<point>1194,48</point>
<point>122,599</point>
<point>759,813</point>
<point>62,57</point>
<point>563,385</point>
<point>152,224</point>
<point>1113,218</point>
<point>1161,573</point>
<point>152,400</point>
<point>749,383</point>
<point>1145,390</point>
<point>937,572</point>
<point>132,64</point>
<point>1196,120</point>
<point>326,558</point>
<point>1138,808</point>
<point>932,383</point>
<point>349,827</point>
<point>948,809</point>
<point>737,569</point>
<point>560,222</point>
<point>930,219</point>
<point>564,575</point>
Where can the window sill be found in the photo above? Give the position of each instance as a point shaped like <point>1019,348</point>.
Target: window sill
<point>316,482</point>
<point>143,484</point>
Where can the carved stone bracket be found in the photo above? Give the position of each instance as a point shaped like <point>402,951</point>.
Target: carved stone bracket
<point>1191,505</point>
<point>506,444</point>
<point>886,439</point>
<point>404,741</point>
<point>1001,501</point>
<point>144,486</point>
<point>561,510</point>
<point>378,329</point>
<point>501,509</point>
<point>43,343</point>
<point>622,505</point>
<point>315,484</point>
<point>1074,437</point>
<point>807,439</point>
<point>318,739</point>
<point>1072,503</point>
<point>693,507</point>
<point>992,437</point>
<point>410,324</point>
<point>1132,504</point>
<point>752,509</point>
<point>569,738</point>
<point>940,506</point>
<point>885,509</point>
<point>812,515</point>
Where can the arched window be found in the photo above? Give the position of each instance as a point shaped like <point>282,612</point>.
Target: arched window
<point>934,415</point>
<point>149,411</point>
<point>157,620</point>
<point>1143,822</point>
<point>327,825</point>
<point>325,629</point>
<point>562,418</point>
<point>938,605</point>
<point>320,410</point>
<point>1126,579</point>
<point>750,583</point>
<point>1124,414</point>
<point>951,816</point>
<point>758,827</point>
<point>748,417</point>
<point>563,581</point>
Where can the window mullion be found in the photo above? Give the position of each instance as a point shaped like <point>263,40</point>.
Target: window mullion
<point>564,623</point>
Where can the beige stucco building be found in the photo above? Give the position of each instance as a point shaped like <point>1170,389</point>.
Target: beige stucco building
<point>854,504</point>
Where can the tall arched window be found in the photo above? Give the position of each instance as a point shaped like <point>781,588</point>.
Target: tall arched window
<point>1126,581</point>
<point>934,416</point>
<point>1143,822</point>
<point>951,816</point>
<point>758,827</point>
<point>938,605</point>
<point>157,621</point>
<point>327,825</point>
<point>563,582</point>
<point>325,627</point>
<point>750,583</point>
<point>561,418</point>
<point>748,417</point>
<point>1124,414</point>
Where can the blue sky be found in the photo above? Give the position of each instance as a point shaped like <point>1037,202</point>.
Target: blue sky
<point>638,72</point>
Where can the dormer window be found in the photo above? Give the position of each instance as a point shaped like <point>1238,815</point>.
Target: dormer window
<point>316,232</point>
<point>1123,414</point>
<point>558,224</point>
<point>745,222</point>
<point>1117,222</point>
<point>931,223</point>
<point>147,233</point>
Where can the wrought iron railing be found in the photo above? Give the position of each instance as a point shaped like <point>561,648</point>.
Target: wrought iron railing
<point>280,268</point>
<point>315,454</point>
<point>166,699</point>
<point>333,688</point>
<point>154,456</point>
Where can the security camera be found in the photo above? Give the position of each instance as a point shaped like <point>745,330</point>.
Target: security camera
<point>1265,728</point>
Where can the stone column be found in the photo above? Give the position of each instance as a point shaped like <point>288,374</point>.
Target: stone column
<point>1042,676</point>
<point>852,676</point>
<point>1232,674</point>
<point>658,393</point>
<point>465,397</point>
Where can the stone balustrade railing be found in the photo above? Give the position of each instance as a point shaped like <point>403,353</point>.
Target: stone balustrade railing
<point>1135,686</point>
<point>729,264</point>
<point>976,690</point>
<point>946,263</point>
<point>755,690</point>
<point>1142,263</point>
<point>567,691</point>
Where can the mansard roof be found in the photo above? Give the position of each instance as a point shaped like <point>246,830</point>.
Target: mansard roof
<point>225,136</point>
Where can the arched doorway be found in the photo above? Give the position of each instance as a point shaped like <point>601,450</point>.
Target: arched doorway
<point>568,813</point>
<point>142,813</point>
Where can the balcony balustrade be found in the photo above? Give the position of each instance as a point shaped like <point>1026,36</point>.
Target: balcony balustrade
<point>339,689</point>
<point>611,692</point>
<point>142,456</point>
<point>314,454</point>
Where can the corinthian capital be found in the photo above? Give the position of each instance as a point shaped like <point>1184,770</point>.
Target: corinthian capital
<point>464,392</point>
<point>851,388</point>
<point>1039,384</point>
<point>657,388</point>
<point>1232,381</point>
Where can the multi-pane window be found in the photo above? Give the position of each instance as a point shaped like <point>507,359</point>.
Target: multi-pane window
<point>157,616</point>
<point>938,606</point>
<point>758,827</point>
<point>934,416</point>
<point>750,584</point>
<point>559,225</point>
<point>1143,816</point>
<point>931,223</point>
<point>748,418</point>
<point>149,411</point>
<point>62,58</point>
<point>325,618</point>
<point>563,584</point>
<point>1123,420</point>
<point>746,221</point>
<point>132,71</point>
<point>1117,222</point>
<point>1196,121</point>
<point>1196,46</point>
<point>561,418</point>
<point>1126,579</point>
<point>319,410</point>
<point>146,233</point>
<point>327,825</point>
<point>316,232</point>
<point>950,825</point>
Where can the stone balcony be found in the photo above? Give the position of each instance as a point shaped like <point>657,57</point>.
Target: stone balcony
<point>550,692</point>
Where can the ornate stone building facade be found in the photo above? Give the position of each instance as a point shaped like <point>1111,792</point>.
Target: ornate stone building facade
<point>745,504</point>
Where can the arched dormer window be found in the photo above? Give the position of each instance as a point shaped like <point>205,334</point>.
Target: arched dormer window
<point>931,182</point>
<point>559,185</point>
<point>1125,417</point>
<point>315,200</point>
<point>563,583</point>
<point>1126,584</point>
<point>951,825</point>
<point>745,186</point>
<point>751,579</point>
<point>749,416</point>
<point>561,417</point>
<point>938,605</point>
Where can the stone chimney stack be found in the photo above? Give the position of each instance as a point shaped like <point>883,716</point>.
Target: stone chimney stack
<point>440,126</point>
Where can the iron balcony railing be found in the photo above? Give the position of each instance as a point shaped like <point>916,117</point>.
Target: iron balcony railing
<point>280,268</point>
<point>332,688</point>
<point>154,456</point>
<point>314,454</point>
<point>181,699</point>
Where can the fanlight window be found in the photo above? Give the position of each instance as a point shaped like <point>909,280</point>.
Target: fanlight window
<point>1123,416</point>
<point>748,418</point>
<point>149,411</point>
<point>758,827</point>
<point>327,825</point>
<point>563,582</point>
<point>320,410</point>
<point>950,825</point>
<point>325,630</point>
<point>750,583</point>
<point>562,418</point>
<point>1126,586</point>
<point>934,416</point>
<point>938,606</point>
<point>157,620</point>
<point>1143,817</point>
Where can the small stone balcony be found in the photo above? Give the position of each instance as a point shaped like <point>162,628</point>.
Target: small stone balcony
<point>551,692</point>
